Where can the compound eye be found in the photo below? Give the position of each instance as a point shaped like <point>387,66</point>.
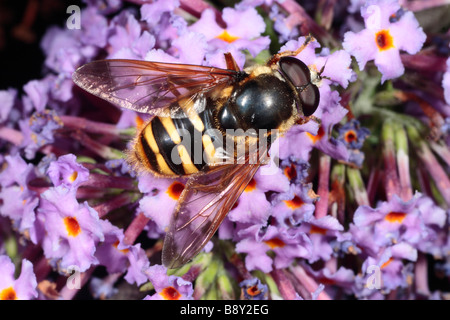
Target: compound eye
<point>297,72</point>
<point>310,98</point>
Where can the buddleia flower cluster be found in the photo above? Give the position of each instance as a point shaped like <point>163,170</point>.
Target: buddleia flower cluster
<point>358,207</point>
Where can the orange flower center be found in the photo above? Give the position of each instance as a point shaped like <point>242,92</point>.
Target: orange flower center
<point>275,243</point>
<point>327,281</point>
<point>251,186</point>
<point>8,294</point>
<point>73,176</point>
<point>395,217</point>
<point>170,293</point>
<point>116,244</point>
<point>318,136</point>
<point>317,230</point>
<point>384,40</point>
<point>295,203</point>
<point>384,265</point>
<point>350,136</point>
<point>290,172</point>
<point>72,226</point>
<point>225,36</point>
<point>175,189</point>
<point>253,291</point>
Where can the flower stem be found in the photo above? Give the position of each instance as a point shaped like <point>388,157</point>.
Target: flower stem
<point>309,283</point>
<point>68,293</point>
<point>442,150</point>
<point>306,23</point>
<point>135,228</point>
<point>11,135</point>
<point>421,276</point>
<point>432,165</point>
<point>285,286</point>
<point>436,120</point>
<point>323,188</point>
<point>357,184</point>
<point>103,181</point>
<point>114,203</point>
<point>391,177</point>
<point>89,125</point>
<point>338,191</point>
<point>401,143</point>
<point>98,148</point>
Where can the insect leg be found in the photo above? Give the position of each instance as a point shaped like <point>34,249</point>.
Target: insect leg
<point>304,120</point>
<point>231,63</point>
<point>275,58</point>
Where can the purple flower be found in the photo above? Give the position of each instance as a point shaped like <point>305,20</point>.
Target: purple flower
<point>37,93</point>
<point>95,29</point>
<point>103,288</point>
<point>39,131</point>
<point>161,196</point>
<point>336,70</point>
<point>128,41</point>
<point>286,244</point>
<point>168,287</point>
<point>253,289</point>
<point>253,206</point>
<point>105,6</point>
<point>323,234</point>
<point>341,250</point>
<point>382,39</point>
<point>387,271</point>
<point>342,278</point>
<point>336,66</point>
<point>446,82</point>
<point>243,30</point>
<point>353,137</point>
<point>396,220</point>
<point>297,135</point>
<point>18,201</point>
<point>72,230</point>
<point>285,25</point>
<point>66,171</point>
<point>154,12</point>
<point>22,288</point>
<point>355,5</point>
<point>7,100</point>
<point>296,170</point>
<point>295,206</point>
<point>63,50</point>
<point>311,135</point>
<point>138,264</point>
<point>111,252</point>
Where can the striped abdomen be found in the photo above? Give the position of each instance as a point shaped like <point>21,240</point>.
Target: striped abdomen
<point>176,146</point>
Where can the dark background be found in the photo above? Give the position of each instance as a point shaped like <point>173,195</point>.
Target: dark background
<point>22,26</point>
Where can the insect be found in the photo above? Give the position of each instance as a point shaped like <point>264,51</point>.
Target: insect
<point>205,108</point>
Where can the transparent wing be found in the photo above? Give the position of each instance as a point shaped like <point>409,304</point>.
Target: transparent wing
<point>146,86</point>
<point>203,205</point>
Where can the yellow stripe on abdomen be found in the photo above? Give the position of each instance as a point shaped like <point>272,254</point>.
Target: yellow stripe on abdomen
<point>170,129</point>
<point>186,160</point>
<point>210,150</point>
<point>155,161</point>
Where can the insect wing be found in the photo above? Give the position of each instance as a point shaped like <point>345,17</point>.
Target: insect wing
<point>146,86</point>
<point>203,204</point>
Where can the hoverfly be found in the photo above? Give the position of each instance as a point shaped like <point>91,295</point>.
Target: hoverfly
<point>200,100</point>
